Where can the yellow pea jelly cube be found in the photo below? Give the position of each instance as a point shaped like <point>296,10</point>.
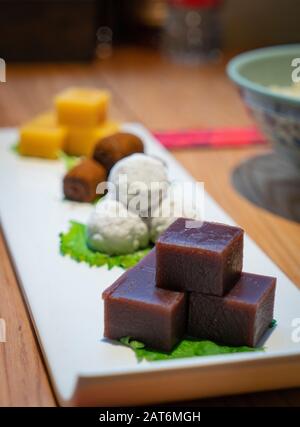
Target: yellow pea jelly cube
<point>48,119</point>
<point>81,141</point>
<point>82,107</point>
<point>42,137</point>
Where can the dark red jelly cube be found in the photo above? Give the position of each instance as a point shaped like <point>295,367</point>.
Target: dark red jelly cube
<point>135,307</point>
<point>205,258</point>
<point>239,318</point>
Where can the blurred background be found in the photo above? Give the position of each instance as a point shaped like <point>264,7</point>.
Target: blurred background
<point>70,30</point>
<point>164,63</point>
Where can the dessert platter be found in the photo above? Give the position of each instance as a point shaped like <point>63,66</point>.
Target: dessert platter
<point>130,305</point>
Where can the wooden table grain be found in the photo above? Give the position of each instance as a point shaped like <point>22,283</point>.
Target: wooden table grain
<point>148,89</point>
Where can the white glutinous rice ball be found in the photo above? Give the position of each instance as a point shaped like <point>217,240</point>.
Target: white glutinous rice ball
<point>140,182</point>
<point>114,230</point>
<point>173,206</point>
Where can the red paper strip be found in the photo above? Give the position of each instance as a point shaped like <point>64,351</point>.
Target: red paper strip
<point>221,137</point>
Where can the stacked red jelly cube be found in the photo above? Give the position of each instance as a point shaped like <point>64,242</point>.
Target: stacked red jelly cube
<point>191,284</point>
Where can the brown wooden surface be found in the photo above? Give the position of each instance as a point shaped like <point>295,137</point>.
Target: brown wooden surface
<point>148,89</point>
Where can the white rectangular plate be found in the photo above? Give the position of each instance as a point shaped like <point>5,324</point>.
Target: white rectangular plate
<point>64,299</point>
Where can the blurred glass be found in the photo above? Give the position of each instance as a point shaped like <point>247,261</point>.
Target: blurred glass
<point>192,31</point>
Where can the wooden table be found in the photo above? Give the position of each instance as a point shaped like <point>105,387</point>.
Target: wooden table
<point>147,89</point>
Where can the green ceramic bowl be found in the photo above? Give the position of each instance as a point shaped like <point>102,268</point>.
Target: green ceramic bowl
<point>277,114</point>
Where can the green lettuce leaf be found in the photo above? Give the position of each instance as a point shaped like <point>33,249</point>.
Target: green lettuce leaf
<point>69,161</point>
<point>186,348</point>
<point>73,243</point>
<point>15,147</point>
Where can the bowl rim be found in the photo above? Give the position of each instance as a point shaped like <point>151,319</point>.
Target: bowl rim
<point>233,65</point>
